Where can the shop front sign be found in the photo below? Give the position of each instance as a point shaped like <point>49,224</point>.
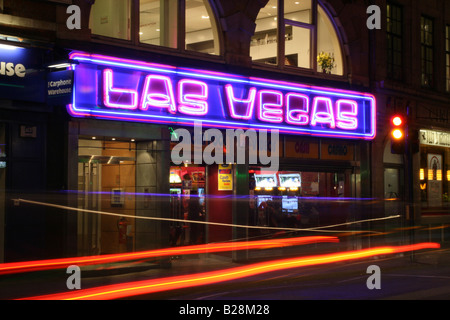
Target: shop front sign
<point>333,150</point>
<point>21,74</point>
<point>434,138</point>
<point>225,177</point>
<point>121,89</point>
<point>60,87</point>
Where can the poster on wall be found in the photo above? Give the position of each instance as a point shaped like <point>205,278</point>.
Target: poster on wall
<point>434,179</point>
<point>225,177</point>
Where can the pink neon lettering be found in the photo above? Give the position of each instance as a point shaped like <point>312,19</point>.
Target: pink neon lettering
<point>192,96</point>
<point>117,98</point>
<point>326,116</point>
<point>158,93</point>
<point>297,109</point>
<point>235,104</point>
<point>270,106</point>
<point>347,119</point>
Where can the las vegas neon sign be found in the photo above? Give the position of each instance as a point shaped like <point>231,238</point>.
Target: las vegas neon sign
<point>120,89</point>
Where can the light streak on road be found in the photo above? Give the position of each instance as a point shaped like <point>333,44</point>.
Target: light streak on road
<point>314,229</point>
<point>136,288</point>
<point>38,265</point>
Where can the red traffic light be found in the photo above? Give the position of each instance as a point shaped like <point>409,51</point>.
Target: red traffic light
<point>398,127</point>
<point>397,121</point>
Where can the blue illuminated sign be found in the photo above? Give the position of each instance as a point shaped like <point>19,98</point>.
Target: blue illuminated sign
<point>121,89</point>
<point>21,74</point>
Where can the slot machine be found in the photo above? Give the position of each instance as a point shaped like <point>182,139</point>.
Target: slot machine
<point>265,194</point>
<point>290,188</point>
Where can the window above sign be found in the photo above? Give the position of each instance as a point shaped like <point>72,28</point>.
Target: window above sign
<point>180,24</point>
<point>309,38</point>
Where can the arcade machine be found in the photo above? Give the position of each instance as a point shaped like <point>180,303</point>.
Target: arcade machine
<point>265,196</point>
<point>176,209</point>
<point>290,185</point>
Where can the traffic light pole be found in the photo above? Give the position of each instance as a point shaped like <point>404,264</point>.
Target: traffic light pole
<point>410,207</point>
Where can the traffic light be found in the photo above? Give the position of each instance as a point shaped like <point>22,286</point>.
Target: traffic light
<point>399,134</point>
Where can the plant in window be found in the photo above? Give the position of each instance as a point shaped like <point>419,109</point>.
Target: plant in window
<point>326,61</point>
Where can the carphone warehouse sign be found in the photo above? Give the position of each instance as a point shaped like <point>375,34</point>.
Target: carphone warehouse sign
<point>120,89</point>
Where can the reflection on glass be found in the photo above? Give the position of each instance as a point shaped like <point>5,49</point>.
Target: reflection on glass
<point>199,31</point>
<point>159,25</point>
<point>263,46</point>
<point>158,22</point>
<point>298,10</point>
<point>111,18</point>
<point>298,47</point>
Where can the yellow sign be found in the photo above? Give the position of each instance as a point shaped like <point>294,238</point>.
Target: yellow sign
<point>225,176</point>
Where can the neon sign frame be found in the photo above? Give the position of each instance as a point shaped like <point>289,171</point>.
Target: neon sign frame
<point>128,90</point>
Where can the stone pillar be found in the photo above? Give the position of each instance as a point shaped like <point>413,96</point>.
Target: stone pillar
<point>152,183</point>
<point>237,19</point>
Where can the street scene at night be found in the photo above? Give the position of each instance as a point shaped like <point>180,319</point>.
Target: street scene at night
<point>224,158</point>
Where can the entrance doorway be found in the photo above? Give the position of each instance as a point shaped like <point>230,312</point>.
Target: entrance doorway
<point>106,182</point>
<point>187,188</point>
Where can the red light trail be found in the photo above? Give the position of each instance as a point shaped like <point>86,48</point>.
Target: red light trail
<point>28,266</point>
<point>136,288</point>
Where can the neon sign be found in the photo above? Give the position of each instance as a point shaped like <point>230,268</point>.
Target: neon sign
<point>128,90</point>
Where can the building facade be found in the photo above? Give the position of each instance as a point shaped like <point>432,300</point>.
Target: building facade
<point>94,94</point>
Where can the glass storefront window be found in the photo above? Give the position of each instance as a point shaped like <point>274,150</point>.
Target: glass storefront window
<point>298,198</point>
<point>187,187</point>
<point>106,182</point>
<point>434,178</point>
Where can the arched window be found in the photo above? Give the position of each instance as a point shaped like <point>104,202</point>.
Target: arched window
<point>308,37</point>
<point>179,24</point>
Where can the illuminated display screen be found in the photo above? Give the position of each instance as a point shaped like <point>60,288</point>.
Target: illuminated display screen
<point>128,90</point>
<point>266,180</point>
<point>290,180</point>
